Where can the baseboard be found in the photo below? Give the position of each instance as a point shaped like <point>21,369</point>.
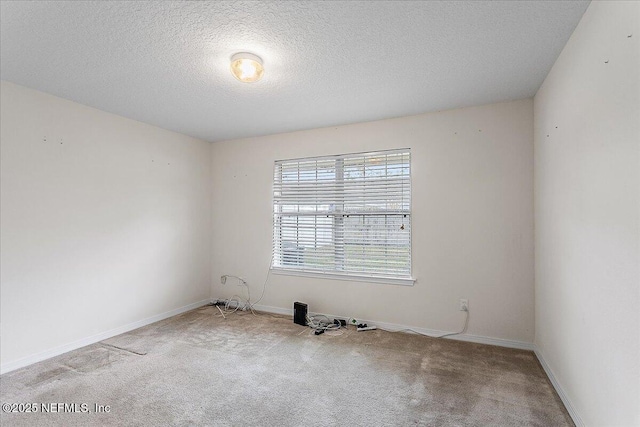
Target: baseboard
<point>433,332</point>
<point>563,396</point>
<point>56,351</point>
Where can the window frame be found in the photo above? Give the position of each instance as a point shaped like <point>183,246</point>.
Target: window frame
<point>339,177</point>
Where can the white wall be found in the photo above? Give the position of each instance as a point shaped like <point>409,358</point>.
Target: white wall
<point>105,221</point>
<point>472,172</point>
<point>587,208</point>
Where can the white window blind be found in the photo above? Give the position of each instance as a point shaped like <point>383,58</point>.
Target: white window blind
<point>347,214</point>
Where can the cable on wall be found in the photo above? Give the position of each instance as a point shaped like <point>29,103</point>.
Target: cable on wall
<point>462,331</point>
<point>264,285</point>
<point>464,328</point>
<point>236,302</point>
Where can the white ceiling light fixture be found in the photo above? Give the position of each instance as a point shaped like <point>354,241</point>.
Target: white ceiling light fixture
<point>246,67</point>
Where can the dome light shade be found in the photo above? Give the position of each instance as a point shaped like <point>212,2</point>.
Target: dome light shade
<point>246,67</point>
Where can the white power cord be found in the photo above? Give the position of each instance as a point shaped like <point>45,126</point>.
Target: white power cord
<point>462,331</point>
<point>247,303</point>
<point>221,312</point>
<point>264,285</point>
<point>241,281</point>
<point>236,298</point>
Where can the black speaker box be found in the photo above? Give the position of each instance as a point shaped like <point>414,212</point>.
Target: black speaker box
<point>300,313</point>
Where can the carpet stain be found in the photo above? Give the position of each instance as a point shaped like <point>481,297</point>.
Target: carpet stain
<point>48,376</point>
<point>92,359</point>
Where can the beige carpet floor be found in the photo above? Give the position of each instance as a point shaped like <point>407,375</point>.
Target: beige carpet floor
<point>201,369</point>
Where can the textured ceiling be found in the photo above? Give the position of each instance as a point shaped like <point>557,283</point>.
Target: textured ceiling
<point>326,63</point>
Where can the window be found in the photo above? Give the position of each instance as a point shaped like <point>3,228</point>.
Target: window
<point>347,215</point>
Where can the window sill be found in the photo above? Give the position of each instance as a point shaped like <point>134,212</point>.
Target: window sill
<point>348,277</point>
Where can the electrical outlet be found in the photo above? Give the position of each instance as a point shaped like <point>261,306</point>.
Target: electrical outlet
<point>464,304</point>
